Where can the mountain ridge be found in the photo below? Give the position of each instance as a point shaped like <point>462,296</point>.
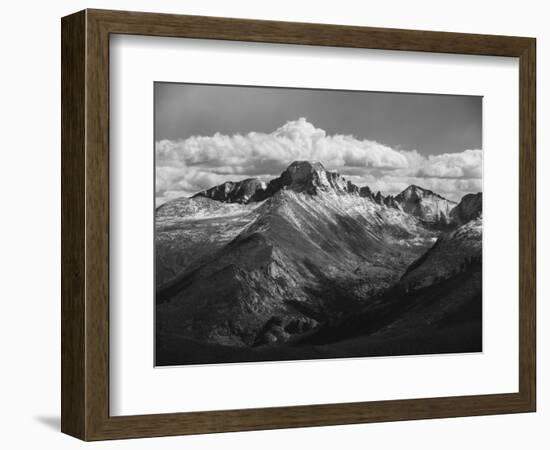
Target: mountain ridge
<point>311,177</point>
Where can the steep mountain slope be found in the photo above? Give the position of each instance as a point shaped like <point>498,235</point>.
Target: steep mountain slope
<point>245,191</point>
<point>187,229</point>
<point>469,208</point>
<point>455,249</point>
<point>439,297</point>
<point>424,204</point>
<point>441,318</point>
<point>312,254</point>
<point>441,292</point>
<point>452,253</point>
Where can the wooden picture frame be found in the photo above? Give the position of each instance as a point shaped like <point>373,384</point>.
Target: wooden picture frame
<point>85,224</point>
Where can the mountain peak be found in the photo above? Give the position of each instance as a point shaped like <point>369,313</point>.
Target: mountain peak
<point>300,171</point>
<point>469,208</point>
<point>305,164</point>
<point>311,177</point>
<point>243,191</point>
<point>425,204</point>
<point>416,192</point>
<point>416,188</point>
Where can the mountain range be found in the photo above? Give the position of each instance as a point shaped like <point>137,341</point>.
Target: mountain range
<point>311,265</point>
<point>312,178</point>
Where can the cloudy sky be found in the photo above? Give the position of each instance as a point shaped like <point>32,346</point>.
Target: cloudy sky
<point>205,135</point>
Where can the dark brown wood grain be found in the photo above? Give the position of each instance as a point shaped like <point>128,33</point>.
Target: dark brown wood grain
<point>527,223</point>
<point>73,224</point>
<point>85,224</point>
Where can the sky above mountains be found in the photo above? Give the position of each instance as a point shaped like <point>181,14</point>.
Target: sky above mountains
<point>206,135</point>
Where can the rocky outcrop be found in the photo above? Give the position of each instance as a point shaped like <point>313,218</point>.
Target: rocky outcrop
<point>469,208</point>
<point>245,191</point>
<point>452,253</point>
<point>310,178</point>
<point>425,204</point>
<point>365,191</point>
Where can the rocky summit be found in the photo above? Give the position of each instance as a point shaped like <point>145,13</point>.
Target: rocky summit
<point>254,270</point>
<point>469,208</point>
<point>311,178</point>
<point>245,191</point>
<point>425,204</point>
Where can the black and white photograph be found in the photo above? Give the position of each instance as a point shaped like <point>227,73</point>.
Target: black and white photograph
<point>275,225</point>
<point>297,224</point>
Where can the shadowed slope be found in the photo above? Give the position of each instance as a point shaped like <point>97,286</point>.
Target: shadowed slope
<point>304,260</point>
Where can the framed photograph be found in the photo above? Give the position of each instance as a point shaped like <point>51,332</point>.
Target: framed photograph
<point>270,224</point>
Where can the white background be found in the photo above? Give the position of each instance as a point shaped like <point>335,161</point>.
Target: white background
<point>30,241</point>
<point>136,387</point>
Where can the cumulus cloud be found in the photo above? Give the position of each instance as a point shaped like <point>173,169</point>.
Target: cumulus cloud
<point>466,164</point>
<point>184,167</point>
